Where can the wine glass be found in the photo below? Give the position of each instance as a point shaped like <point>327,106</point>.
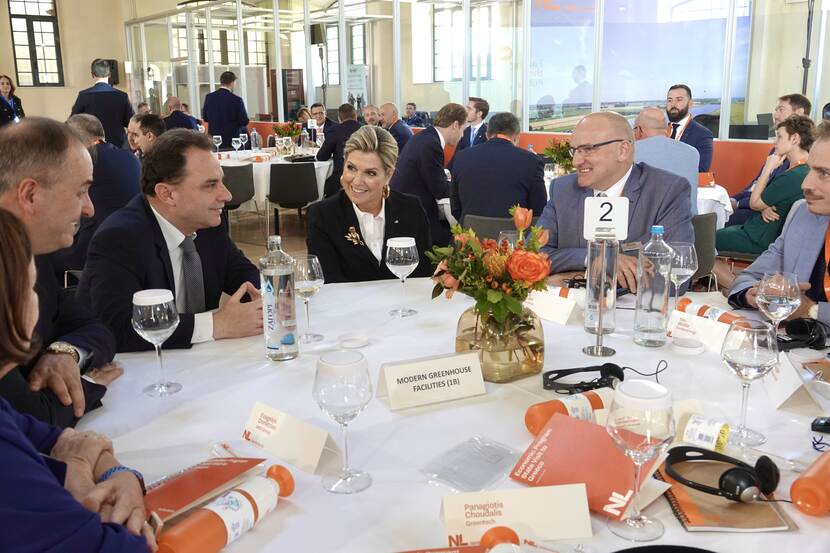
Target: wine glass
<point>778,296</point>
<point>155,319</point>
<point>236,143</point>
<point>750,350</point>
<point>342,389</point>
<point>308,279</point>
<point>402,258</point>
<point>243,138</point>
<point>550,172</point>
<point>217,141</point>
<point>641,423</point>
<point>512,237</point>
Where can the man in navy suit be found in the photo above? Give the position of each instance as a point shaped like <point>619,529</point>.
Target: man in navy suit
<point>683,128</point>
<point>391,121</point>
<point>412,118</point>
<point>111,106</point>
<point>115,177</point>
<point>178,119</point>
<point>334,144</point>
<point>45,174</point>
<point>476,131</point>
<point>324,124</point>
<point>225,112</point>
<point>488,180</point>
<point>420,169</point>
<point>150,243</point>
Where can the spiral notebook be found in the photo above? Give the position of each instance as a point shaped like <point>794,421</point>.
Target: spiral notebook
<point>702,512</point>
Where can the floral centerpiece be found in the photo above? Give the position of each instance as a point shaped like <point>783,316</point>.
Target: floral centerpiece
<point>290,129</point>
<point>560,153</point>
<point>499,277</point>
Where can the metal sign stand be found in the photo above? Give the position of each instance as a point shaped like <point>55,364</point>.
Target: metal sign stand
<point>599,350</point>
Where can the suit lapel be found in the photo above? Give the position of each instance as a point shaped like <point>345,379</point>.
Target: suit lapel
<point>808,248</point>
<point>161,245</point>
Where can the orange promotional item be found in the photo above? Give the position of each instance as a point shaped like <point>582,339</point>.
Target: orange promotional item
<point>573,451</point>
<point>225,519</point>
<point>707,311</point>
<point>705,180</point>
<point>580,406</point>
<point>196,485</point>
<point>811,491</point>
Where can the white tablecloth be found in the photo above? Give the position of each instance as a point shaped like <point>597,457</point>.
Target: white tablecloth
<point>714,199</point>
<point>400,511</point>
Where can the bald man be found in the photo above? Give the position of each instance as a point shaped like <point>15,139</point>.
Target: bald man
<point>371,115</point>
<point>658,150</point>
<point>603,145</point>
<point>178,119</point>
<point>391,120</point>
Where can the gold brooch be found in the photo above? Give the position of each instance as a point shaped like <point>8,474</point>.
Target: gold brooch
<point>354,237</point>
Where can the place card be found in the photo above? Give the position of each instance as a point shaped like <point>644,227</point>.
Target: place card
<point>431,380</point>
<point>287,438</point>
<point>786,388</point>
<point>710,333</point>
<point>551,306</point>
<point>541,513</point>
<point>608,214</point>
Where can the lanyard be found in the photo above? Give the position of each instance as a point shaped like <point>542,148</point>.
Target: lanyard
<point>826,261</point>
<point>680,129</point>
<point>504,137</point>
<point>800,162</point>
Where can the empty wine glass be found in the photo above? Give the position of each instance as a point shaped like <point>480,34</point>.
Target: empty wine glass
<point>236,143</point>
<point>342,389</point>
<point>512,237</point>
<point>750,350</point>
<point>641,423</point>
<point>243,138</point>
<point>217,141</point>
<point>155,319</point>
<point>402,258</point>
<point>778,296</point>
<point>308,279</point>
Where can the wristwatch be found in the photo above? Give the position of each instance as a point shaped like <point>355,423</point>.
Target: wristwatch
<point>64,347</point>
<point>813,312</point>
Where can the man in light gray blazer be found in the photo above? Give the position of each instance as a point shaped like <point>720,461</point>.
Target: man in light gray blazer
<point>658,150</point>
<point>603,145</point>
<point>800,248</point>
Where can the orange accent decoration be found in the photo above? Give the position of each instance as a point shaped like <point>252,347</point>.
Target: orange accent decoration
<point>498,535</point>
<point>706,180</point>
<point>811,491</point>
<point>827,263</point>
<point>504,137</point>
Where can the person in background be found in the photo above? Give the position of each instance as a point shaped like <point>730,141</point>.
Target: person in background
<point>171,236</point>
<point>132,137</point>
<point>391,121</point>
<point>324,124</point>
<point>59,489</point>
<point>412,118</point>
<point>303,115</point>
<point>490,179</point>
<point>225,112</point>
<point>371,115</point>
<point>11,108</point>
<point>334,144</point>
<point>150,126</point>
<point>186,109</point>
<point>143,108</point>
<point>789,104</point>
<point>177,118</point>
<point>825,111</point>
<point>348,231</point>
<point>420,169</point>
<point>772,198</point>
<point>111,106</point>
<point>476,131</point>
<point>656,149</point>
<point>45,175</point>
<point>682,127</point>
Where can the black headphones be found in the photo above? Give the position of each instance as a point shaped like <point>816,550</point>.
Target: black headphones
<point>610,376</point>
<point>803,333</point>
<point>742,482</point>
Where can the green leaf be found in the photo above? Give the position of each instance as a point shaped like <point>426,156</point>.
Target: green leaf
<point>436,291</point>
<point>500,312</point>
<point>494,296</point>
<point>513,304</point>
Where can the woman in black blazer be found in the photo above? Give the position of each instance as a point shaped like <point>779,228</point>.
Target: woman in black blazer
<point>11,108</point>
<point>346,232</point>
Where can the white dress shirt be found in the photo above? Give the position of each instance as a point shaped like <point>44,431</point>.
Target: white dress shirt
<point>616,189</point>
<point>474,131</point>
<point>203,324</point>
<point>372,228</point>
<point>105,80</point>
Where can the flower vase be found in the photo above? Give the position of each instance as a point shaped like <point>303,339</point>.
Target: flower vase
<point>507,351</point>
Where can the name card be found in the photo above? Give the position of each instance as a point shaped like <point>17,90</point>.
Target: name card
<point>431,380</point>
<point>286,437</point>
<point>786,389</point>
<point>608,214</point>
<point>543,513</point>
<point>710,333</point>
<point>551,306</point>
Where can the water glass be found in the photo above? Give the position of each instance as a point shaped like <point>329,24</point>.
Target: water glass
<point>243,138</point>
<point>155,319</point>
<point>342,389</point>
<point>511,236</point>
<point>402,258</point>
<point>217,141</point>
<point>236,143</point>
<point>750,350</point>
<point>641,423</point>
<point>778,296</point>
<point>308,279</point>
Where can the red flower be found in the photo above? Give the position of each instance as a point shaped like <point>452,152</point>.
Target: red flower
<point>522,217</point>
<point>489,244</point>
<point>528,266</point>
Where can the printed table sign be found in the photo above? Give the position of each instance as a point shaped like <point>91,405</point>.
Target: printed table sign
<point>431,380</point>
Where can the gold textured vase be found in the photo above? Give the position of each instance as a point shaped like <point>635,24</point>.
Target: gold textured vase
<point>507,351</point>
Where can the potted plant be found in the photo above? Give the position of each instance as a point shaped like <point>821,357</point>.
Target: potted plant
<point>560,153</point>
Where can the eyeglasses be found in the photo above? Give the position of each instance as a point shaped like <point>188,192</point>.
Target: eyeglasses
<point>588,149</point>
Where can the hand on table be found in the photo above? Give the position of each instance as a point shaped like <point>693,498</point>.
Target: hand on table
<point>627,272</point>
<point>236,319</point>
<point>105,374</point>
<point>80,451</point>
<point>770,214</point>
<point>60,373</point>
<point>119,500</point>
<point>806,303</point>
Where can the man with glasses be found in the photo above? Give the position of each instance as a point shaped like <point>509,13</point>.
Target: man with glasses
<point>603,155</point>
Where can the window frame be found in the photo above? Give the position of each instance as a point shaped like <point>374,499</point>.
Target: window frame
<point>30,35</point>
<point>362,47</point>
<point>487,60</point>
<point>329,50</point>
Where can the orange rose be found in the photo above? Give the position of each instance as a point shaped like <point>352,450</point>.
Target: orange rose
<point>528,266</point>
<point>489,244</point>
<point>522,217</point>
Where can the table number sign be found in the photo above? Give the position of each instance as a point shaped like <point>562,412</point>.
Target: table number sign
<point>786,389</point>
<point>608,214</point>
<point>431,380</point>
<point>551,306</point>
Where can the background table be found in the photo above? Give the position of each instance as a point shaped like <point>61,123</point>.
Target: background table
<point>401,510</point>
<point>714,199</point>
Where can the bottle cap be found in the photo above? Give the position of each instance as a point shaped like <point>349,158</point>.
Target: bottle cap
<point>152,297</point>
<point>281,476</point>
<point>657,229</point>
<point>499,534</point>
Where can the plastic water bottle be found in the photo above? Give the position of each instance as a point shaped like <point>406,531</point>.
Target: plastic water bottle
<point>256,141</point>
<point>303,138</point>
<point>279,313</point>
<point>653,272</point>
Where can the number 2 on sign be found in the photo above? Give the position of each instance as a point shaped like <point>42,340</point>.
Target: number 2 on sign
<point>608,214</point>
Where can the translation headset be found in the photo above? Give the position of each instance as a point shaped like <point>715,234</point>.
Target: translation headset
<point>610,374</point>
<point>743,483</point>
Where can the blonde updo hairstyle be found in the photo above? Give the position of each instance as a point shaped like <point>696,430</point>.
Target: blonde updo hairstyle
<point>370,139</point>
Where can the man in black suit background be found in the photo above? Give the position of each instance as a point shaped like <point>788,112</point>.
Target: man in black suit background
<point>684,128</point>
<point>45,174</point>
<point>420,169</point>
<point>171,237</point>
<point>476,131</point>
<point>324,124</point>
<point>391,121</point>
<point>489,179</point>
<point>225,112</point>
<point>412,118</point>
<point>334,144</point>
<point>111,106</point>
<point>149,127</point>
<point>178,119</point>
<point>115,177</point>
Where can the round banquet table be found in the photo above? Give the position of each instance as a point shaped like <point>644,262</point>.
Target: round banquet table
<point>401,510</point>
